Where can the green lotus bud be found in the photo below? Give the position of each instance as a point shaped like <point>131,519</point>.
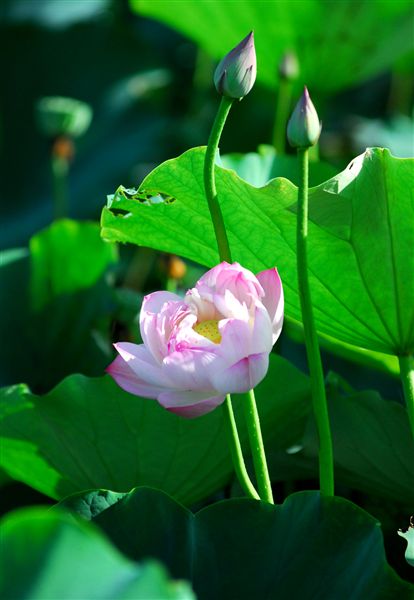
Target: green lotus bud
<point>304,128</point>
<point>57,116</point>
<point>236,73</point>
<point>289,67</point>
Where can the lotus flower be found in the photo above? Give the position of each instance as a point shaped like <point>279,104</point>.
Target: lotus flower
<point>214,341</point>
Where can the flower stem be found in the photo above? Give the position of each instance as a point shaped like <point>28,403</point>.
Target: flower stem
<point>320,406</point>
<point>171,285</point>
<point>257,447</point>
<point>407,380</point>
<point>225,255</point>
<point>60,167</point>
<point>237,454</point>
<point>210,180</point>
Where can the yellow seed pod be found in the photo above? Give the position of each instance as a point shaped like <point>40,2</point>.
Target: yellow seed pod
<point>209,330</point>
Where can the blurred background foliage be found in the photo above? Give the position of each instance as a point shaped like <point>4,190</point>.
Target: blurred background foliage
<point>146,70</point>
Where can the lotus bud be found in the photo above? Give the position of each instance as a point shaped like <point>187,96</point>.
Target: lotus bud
<point>304,128</point>
<point>176,268</point>
<point>289,67</point>
<point>60,116</point>
<point>63,147</point>
<point>236,73</point>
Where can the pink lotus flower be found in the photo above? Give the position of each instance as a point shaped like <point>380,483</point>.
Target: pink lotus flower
<point>214,341</point>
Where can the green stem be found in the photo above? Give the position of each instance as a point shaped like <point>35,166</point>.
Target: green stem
<point>237,453</point>
<point>257,447</point>
<point>171,285</point>
<point>210,180</point>
<point>60,168</point>
<point>407,380</point>
<point>401,93</point>
<point>225,255</point>
<point>320,406</point>
<point>284,99</point>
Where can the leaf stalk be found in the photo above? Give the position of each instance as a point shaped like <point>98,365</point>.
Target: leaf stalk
<point>407,380</point>
<point>60,168</point>
<point>256,443</point>
<point>210,180</point>
<point>252,418</point>
<point>319,402</point>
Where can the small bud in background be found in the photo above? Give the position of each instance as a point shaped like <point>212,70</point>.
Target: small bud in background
<point>63,148</point>
<point>289,67</point>
<point>62,120</point>
<point>176,267</point>
<point>59,116</point>
<point>236,73</point>
<point>304,128</point>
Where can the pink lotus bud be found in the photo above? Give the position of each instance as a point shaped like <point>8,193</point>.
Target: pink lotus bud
<point>214,341</point>
<point>304,128</point>
<point>236,73</point>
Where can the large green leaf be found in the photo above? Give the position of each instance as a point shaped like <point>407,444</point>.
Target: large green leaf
<point>56,305</point>
<point>361,236</point>
<point>67,257</point>
<point>373,448</point>
<point>370,359</point>
<point>309,547</point>
<point>338,43</point>
<point>88,433</point>
<point>47,556</point>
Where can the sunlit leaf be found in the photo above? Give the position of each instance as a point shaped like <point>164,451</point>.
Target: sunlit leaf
<point>337,43</point>
<point>361,236</point>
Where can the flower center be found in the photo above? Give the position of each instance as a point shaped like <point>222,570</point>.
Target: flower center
<point>209,330</point>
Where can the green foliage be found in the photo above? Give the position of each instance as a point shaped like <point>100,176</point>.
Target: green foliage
<point>88,433</point>
<point>258,168</point>
<point>360,239</point>
<point>396,133</point>
<point>309,546</point>
<point>369,358</point>
<point>90,504</point>
<point>127,97</point>
<point>373,448</point>
<point>47,555</point>
<point>66,258</point>
<point>338,44</point>
<point>14,277</point>
<point>57,305</point>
